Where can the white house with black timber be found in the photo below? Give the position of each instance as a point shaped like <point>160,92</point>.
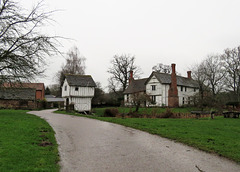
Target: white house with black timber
<point>78,90</point>
<point>164,89</point>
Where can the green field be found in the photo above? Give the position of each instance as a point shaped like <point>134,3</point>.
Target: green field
<point>27,143</point>
<point>220,135</point>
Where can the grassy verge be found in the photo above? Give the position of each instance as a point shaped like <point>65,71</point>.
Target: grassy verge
<point>100,111</point>
<point>220,136</point>
<point>27,143</point>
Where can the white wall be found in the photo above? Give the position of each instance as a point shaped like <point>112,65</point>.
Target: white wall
<point>186,94</point>
<point>65,93</point>
<point>81,104</point>
<point>159,92</point>
<point>82,91</point>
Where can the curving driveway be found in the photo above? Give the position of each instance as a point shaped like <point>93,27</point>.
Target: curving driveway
<point>91,145</point>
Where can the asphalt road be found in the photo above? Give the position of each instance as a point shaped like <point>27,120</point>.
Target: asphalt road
<point>91,145</point>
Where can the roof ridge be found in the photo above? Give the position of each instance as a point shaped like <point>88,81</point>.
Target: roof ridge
<point>76,75</point>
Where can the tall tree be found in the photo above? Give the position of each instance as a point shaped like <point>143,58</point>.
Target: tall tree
<point>198,74</point>
<point>119,71</point>
<point>99,94</point>
<point>47,91</point>
<point>214,73</point>
<point>23,47</point>
<point>231,63</point>
<point>75,64</point>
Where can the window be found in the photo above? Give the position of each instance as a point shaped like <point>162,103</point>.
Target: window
<point>76,88</point>
<point>185,89</point>
<point>153,99</point>
<point>189,100</point>
<point>65,88</point>
<point>183,100</point>
<point>127,97</point>
<point>153,87</point>
<point>181,88</point>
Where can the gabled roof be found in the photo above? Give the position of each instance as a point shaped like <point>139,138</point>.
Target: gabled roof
<point>136,86</point>
<point>37,86</point>
<point>17,93</point>
<point>165,78</point>
<point>80,80</point>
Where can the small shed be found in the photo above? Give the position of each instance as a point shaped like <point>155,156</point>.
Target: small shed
<point>78,90</point>
<point>18,98</point>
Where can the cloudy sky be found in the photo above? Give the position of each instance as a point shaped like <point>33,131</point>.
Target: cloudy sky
<point>154,31</point>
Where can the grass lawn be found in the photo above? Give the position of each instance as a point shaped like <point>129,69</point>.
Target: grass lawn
<point>27,143</point>
<point>220,136</point>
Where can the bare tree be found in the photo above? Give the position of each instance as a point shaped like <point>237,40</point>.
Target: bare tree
<point>23,47</point>
<point>162,68</point>
<point>139,98</point>
<point>198,74</point>
<point>231,63</point>
<point>214,73</point>
<point>121,66</point>
<point>75,64</point>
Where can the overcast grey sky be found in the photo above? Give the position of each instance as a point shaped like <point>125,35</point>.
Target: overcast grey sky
<point>154,31</point>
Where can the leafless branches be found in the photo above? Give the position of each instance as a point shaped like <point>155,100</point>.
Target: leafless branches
<point>121,66</point>
<point>22,46</point>
<point>75,64</point>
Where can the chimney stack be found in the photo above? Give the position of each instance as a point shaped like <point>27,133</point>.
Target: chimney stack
<point>189,74</point>
<point>173,91</point>
<point>173,68</point>
<point>130,76</point>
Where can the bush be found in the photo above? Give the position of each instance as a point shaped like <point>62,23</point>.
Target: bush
<point>168,114</point>
<point>111,112</point>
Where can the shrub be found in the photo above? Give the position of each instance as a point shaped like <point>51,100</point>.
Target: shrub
<point>111,112</point>
<point>168,114</point>
<point>135,115</point>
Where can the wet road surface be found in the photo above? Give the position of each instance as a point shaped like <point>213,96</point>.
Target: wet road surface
<point>91,145</point>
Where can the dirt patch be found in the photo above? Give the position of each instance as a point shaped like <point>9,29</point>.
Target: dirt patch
<point>45,143</point>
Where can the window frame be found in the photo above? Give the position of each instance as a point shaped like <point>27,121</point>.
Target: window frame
<point>153,99</point>
<point>153,87</point>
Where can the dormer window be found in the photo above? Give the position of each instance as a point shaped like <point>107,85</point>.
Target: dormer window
<point>65,88</point>
<point>76,88</point>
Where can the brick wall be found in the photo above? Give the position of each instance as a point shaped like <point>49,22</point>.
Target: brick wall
<point>18,104</point>
<point>173,100</point>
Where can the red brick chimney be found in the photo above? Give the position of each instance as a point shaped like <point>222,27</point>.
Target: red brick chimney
<point>173,91</point>
<point>189,74</point>
<point>130,76</point>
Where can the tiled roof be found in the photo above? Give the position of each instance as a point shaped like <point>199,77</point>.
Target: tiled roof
<point>165,78</point>
<point>37,86</point>
<point>80,80</point>
<point>136,86</point>
<point>17,93</point>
